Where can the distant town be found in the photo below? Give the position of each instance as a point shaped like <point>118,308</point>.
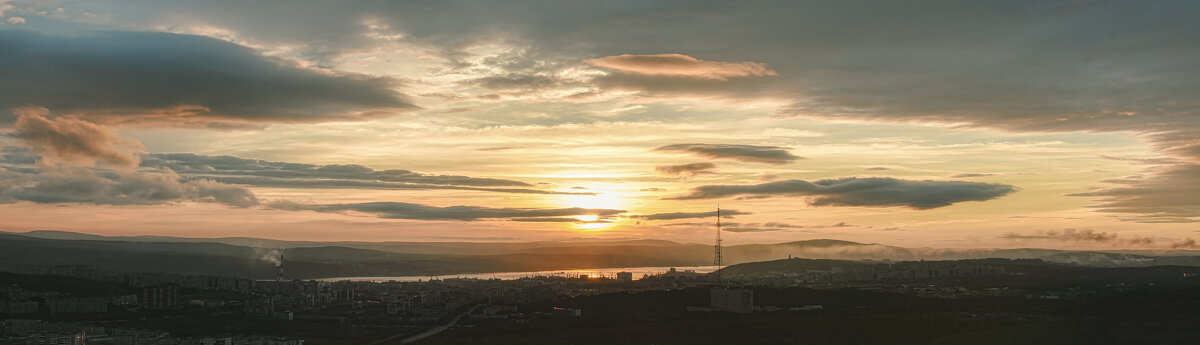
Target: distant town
<point>79,305</point>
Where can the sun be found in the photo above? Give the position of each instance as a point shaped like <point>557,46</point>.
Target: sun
<point>588,217</point>
<point>593,226</point>
<point>599,201</point>
<point>592,222</point>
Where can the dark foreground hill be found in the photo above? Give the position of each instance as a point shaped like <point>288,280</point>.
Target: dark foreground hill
<point>1154,315</point>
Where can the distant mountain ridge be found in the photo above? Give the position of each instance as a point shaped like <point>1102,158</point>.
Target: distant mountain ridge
<point>254,258</point>
<point>399,247</point>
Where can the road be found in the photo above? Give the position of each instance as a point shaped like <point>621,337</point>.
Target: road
<point>428,333</point>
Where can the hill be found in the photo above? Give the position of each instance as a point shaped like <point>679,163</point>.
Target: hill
<point>255,258</point>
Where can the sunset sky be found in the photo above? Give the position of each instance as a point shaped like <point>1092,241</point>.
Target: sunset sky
<point>919,124</point>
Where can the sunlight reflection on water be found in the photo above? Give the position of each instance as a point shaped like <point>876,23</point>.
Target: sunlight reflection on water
<point>638,272</point>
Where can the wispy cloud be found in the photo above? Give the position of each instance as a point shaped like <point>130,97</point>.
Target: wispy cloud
<point>135,188</point>
<point>686,171</point>
<point>403,210</point>
<point>1166,195</point>
<point>776,226</point>
<point>263,173</point>
<point>1084,236</point>
<point>1187,243</point>
<point>969,175</point>
<point>1152,161</point>
<point>685,215</point>
<point>853,191</point>
<point>679,65</point>
<point>746,153</point>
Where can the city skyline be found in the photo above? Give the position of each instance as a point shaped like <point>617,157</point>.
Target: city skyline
<point>949,125</point>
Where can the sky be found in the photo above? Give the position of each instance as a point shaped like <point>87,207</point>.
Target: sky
<point>945,124</point>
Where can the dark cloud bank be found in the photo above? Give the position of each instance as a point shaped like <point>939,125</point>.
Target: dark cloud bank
<point>177,80</point>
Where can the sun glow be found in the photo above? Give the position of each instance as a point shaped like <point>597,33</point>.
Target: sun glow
<point>591,222</point>
<point>593,225</point>
<point>588,217</point>
<point>598,201</point>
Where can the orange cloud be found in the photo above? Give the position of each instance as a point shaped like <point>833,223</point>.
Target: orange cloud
<point>679,65</point>
<point>64,139</point>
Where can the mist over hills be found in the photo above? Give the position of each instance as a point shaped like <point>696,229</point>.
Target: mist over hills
<point>255,258</point>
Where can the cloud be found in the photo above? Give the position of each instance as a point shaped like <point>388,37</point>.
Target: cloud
<point>786,225</point>
<point>263,173</point>
<point>213,191</point>
<point>83,162</point>
<point>987,73</point>
<point>878,169</point>
<point>402,210</point>
<point>1168,194</point>
<point>775,226</point>
<point>134,188</point>
<point>761,227</point>
<point>679,65</point>
<point>179,80</point>
<point>749,229</point>
<point>746,153</point>
<point>1187,243</point>
<point>560,220</point>
<point>967,175</point>
<point>653,189</point>
<point>72,140</point>
<point>1152,161</point>
<point>1085,235</point>
<point>18,155</point>
<point>686,170</point>
<point>15,20</point>
<point>533,85</point>
<point>190,163</point>
<point>517,81</point>
<point>355,184</point>
<point>701,224</point>
<point>685,215</point>
<point>853,191</point>
<point>499,148</point>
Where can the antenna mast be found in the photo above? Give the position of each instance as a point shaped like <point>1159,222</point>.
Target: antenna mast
<point>279,268</point>
<point>717,246</point>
